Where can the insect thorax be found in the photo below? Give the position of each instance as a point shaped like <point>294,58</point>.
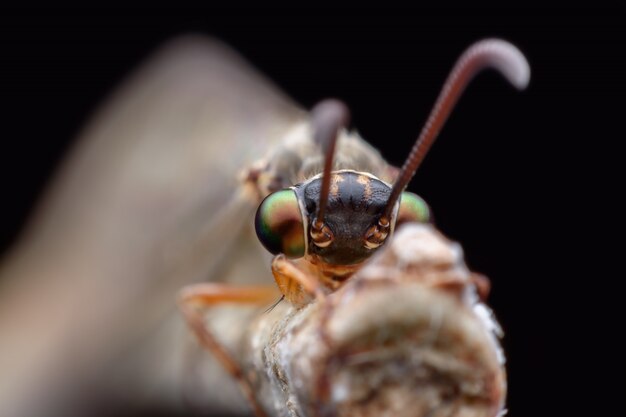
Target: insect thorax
<point>297,158</point>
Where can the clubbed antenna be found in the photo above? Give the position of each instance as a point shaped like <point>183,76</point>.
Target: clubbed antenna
<point>489,53</point>
<point>328,117</point>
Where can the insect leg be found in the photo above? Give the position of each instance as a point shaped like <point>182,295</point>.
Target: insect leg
<point>194,299</point>
<point>298,286</point>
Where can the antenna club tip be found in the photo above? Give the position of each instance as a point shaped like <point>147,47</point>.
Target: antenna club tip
<point>506,58</point>
<point>331,110</point>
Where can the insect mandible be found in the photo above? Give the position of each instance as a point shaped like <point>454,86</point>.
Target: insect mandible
<point>327,202</point>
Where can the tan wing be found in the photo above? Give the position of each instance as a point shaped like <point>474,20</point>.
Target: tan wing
<point>146,202</point>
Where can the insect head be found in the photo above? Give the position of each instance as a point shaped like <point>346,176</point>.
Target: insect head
<point>342,217</point>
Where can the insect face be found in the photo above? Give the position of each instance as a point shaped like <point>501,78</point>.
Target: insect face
<point>348,236</point>
<point>355,203</point>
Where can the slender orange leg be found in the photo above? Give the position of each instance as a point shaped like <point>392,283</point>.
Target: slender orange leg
<point>295,282</point>
<point>193,299</point>
<point>300,286</point>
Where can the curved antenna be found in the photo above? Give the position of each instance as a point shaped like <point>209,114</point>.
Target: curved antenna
<point>488,53</point>
<point>328,116</point>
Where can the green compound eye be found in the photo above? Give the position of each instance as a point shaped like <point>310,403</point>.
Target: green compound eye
<point>412,209</point>
<point>278,224</point>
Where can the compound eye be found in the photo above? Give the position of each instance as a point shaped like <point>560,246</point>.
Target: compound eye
<point>278,224</point>
<point>412,209</point>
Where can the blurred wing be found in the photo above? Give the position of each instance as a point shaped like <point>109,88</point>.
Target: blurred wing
<point>147,202</point>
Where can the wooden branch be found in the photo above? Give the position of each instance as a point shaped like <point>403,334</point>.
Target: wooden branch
<point>407,336</point>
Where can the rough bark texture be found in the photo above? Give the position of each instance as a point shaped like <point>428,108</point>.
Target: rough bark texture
<point>407,336</point>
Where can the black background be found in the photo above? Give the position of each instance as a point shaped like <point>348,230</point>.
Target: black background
<point>525,181</point>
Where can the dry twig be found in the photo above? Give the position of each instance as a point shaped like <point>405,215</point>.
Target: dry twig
<point>407,336</point>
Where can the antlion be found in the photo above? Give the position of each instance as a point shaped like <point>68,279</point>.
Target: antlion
<point>378,314</point>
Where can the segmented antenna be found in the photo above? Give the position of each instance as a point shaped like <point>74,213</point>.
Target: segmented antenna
<point>488,53</point>
<point>328,116</point>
